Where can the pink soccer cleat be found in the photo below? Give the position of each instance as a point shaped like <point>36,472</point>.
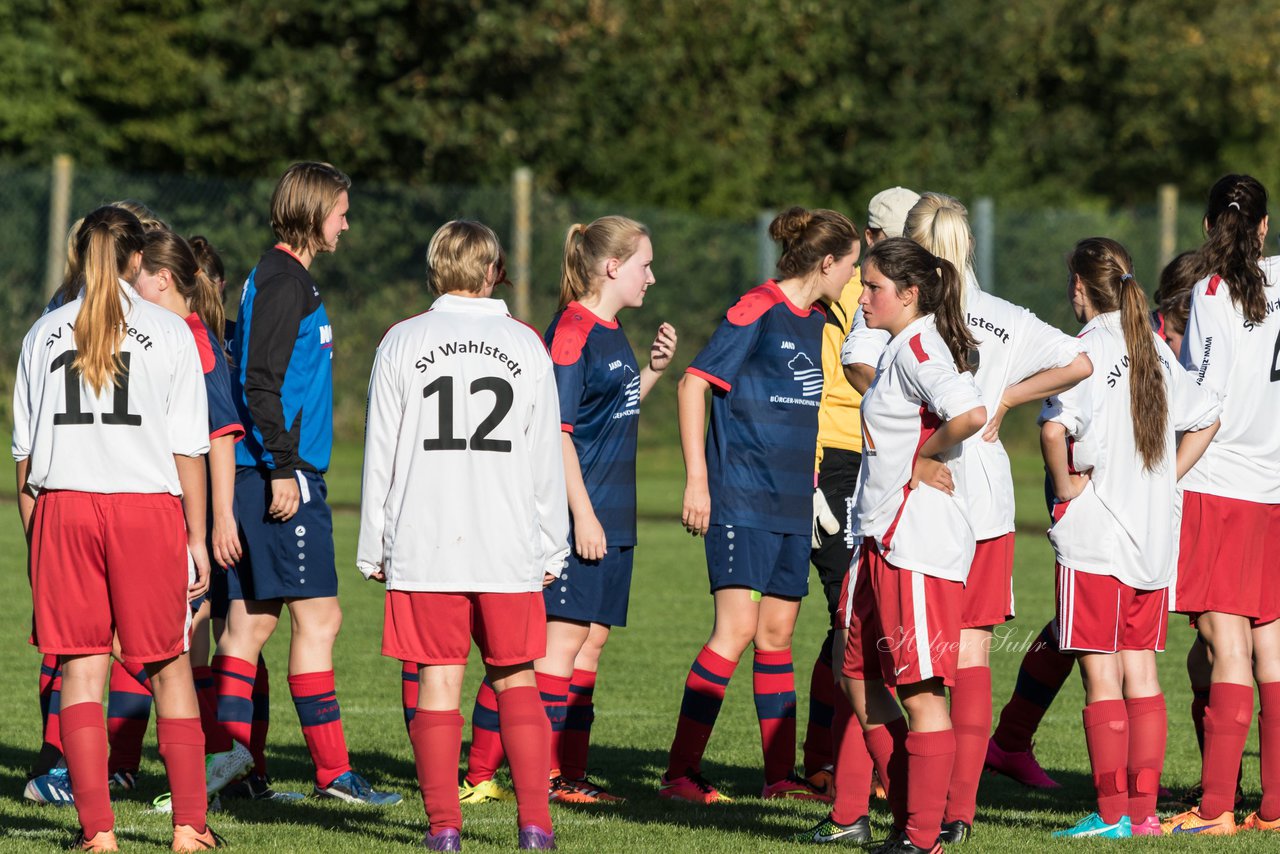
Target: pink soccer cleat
<point>1018,765</point>
<point>1149,826</point>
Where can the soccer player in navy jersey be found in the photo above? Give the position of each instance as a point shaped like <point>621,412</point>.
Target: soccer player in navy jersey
<point>749,492</point>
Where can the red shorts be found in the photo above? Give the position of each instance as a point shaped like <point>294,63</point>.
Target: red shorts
<point>1229,558</point>
<point>437,628</point>
<point>904,626</point>
<point>988,592</point>
<point>1100,613</point>
<point>105,564</point>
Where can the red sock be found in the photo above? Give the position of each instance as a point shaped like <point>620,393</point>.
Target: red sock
<point>1199,702</point>
<point>182,749</point>
<point>930,757</point>
<point>128,713</point>
<point>1226,727</point>
<point>1106,734</point>
<point>575,741</point>
<point>409,690</point>
<point>971,723</point>
<point>486,741</point>
<point>261,718</point>
<point>437,745</point>
<point>207,699</point>
<point>853,765</point>
<point>1043,671</point>
<point>233,679</point>
<point>704,689</point>
<point>526,739</point>
<point>1148,732</point>
<point>316,700</point>
<point>1269,750</point>
<point>819,740</point>
<point>887,746</point>
<point>773,680</point>
<point>84,741</point>
<point>554,691</point>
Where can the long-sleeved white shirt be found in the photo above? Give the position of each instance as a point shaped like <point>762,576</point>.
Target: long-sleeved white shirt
<point>1125,522</point>
<point>463,487</point>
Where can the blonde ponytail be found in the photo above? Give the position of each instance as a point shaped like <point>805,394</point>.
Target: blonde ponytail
<point>105,246</point>
<point>586,247</point>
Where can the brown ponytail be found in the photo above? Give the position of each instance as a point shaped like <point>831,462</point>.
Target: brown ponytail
<point>164,250</point>
<point>586,247</point>
<point>1232,247</point>
<point>941,287</point>
<point>1105,271</point>
<point>809,236</point>
<point>105,245</point>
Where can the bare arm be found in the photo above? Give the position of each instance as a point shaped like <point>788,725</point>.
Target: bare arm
<point>691,404</point>
<point>660,353</point>
<point>1038,387</point>
<point>1053,447</point>
<point>26,501</point>
<point>588,534</point>
<point>860,376</point>
<point>222,483</point>
<point>191,477</point>
<point>1193,446</point>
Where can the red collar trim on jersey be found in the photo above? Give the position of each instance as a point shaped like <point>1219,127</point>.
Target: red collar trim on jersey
<point>607,324</point>
<point>288,251</point>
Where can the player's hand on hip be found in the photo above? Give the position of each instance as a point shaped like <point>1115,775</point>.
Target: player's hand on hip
<point>547,578</point>
<point>226,541</point>
<point>696,513</point>
<point>285,498</point>
<point>933,473</point>
<point>200,585</point>
<point>1074,486</point>
<point>663,347</point>
<point>991,432</point>
<point>588,538</point>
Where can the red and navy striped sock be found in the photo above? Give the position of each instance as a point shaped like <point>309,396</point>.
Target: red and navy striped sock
<point>233,678</point>
<point>50,705</point>
<point>207,699</point>
<point>525,738</point>
<point>486,739</point>
<point>261,718</point>
<point>971,723</point>
<point>409,691</point>
<point>555,700</point>
<point>704,689</point>
<point>773,679</point>
<point>316,699</point>
<point>1044,670</point>
<point>128,713</point>
<point>819,743</point>
<point>182,749</point>
<point>576,740</point>
<point>436,737</point>
<point>1148,735</point>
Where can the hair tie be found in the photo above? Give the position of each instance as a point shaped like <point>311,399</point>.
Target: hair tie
<point>1235,205</point>
<point>1127,277</point>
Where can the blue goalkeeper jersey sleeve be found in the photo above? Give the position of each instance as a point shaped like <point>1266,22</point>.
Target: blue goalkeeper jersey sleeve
<point>598,381</point>
<point>764,363</point>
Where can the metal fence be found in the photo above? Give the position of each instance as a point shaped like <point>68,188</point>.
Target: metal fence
<point>378,275</point>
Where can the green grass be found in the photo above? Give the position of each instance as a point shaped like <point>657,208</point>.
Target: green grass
<point>638,697</point>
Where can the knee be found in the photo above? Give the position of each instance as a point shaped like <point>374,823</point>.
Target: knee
<point>322,627</point>
<point>773,638</point>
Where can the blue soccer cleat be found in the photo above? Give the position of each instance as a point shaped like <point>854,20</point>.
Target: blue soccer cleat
<point>354,789</point>
<point>1093,825</point>
<point>52,788</point>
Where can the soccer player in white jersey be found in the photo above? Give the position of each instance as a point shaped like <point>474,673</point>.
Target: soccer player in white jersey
<point>1019,359</point>
<point>464,516</point>
<point>903,600</point>
<point>1109,447</point>
<point>1229,553</point>
<point>110,426</point>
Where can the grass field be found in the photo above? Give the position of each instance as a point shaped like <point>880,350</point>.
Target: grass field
<point>637,701</point>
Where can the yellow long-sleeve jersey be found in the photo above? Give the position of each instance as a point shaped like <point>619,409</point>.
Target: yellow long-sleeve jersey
<point>839,419</point>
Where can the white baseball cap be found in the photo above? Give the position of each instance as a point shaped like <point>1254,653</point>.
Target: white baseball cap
<point>889,208</point>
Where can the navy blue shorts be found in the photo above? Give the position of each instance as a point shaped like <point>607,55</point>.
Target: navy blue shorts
<point>593,591</point>
<point>767,562</point>
<point>282,560</point>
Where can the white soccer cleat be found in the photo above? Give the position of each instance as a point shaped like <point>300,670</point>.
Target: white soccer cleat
<point>222,768</point>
